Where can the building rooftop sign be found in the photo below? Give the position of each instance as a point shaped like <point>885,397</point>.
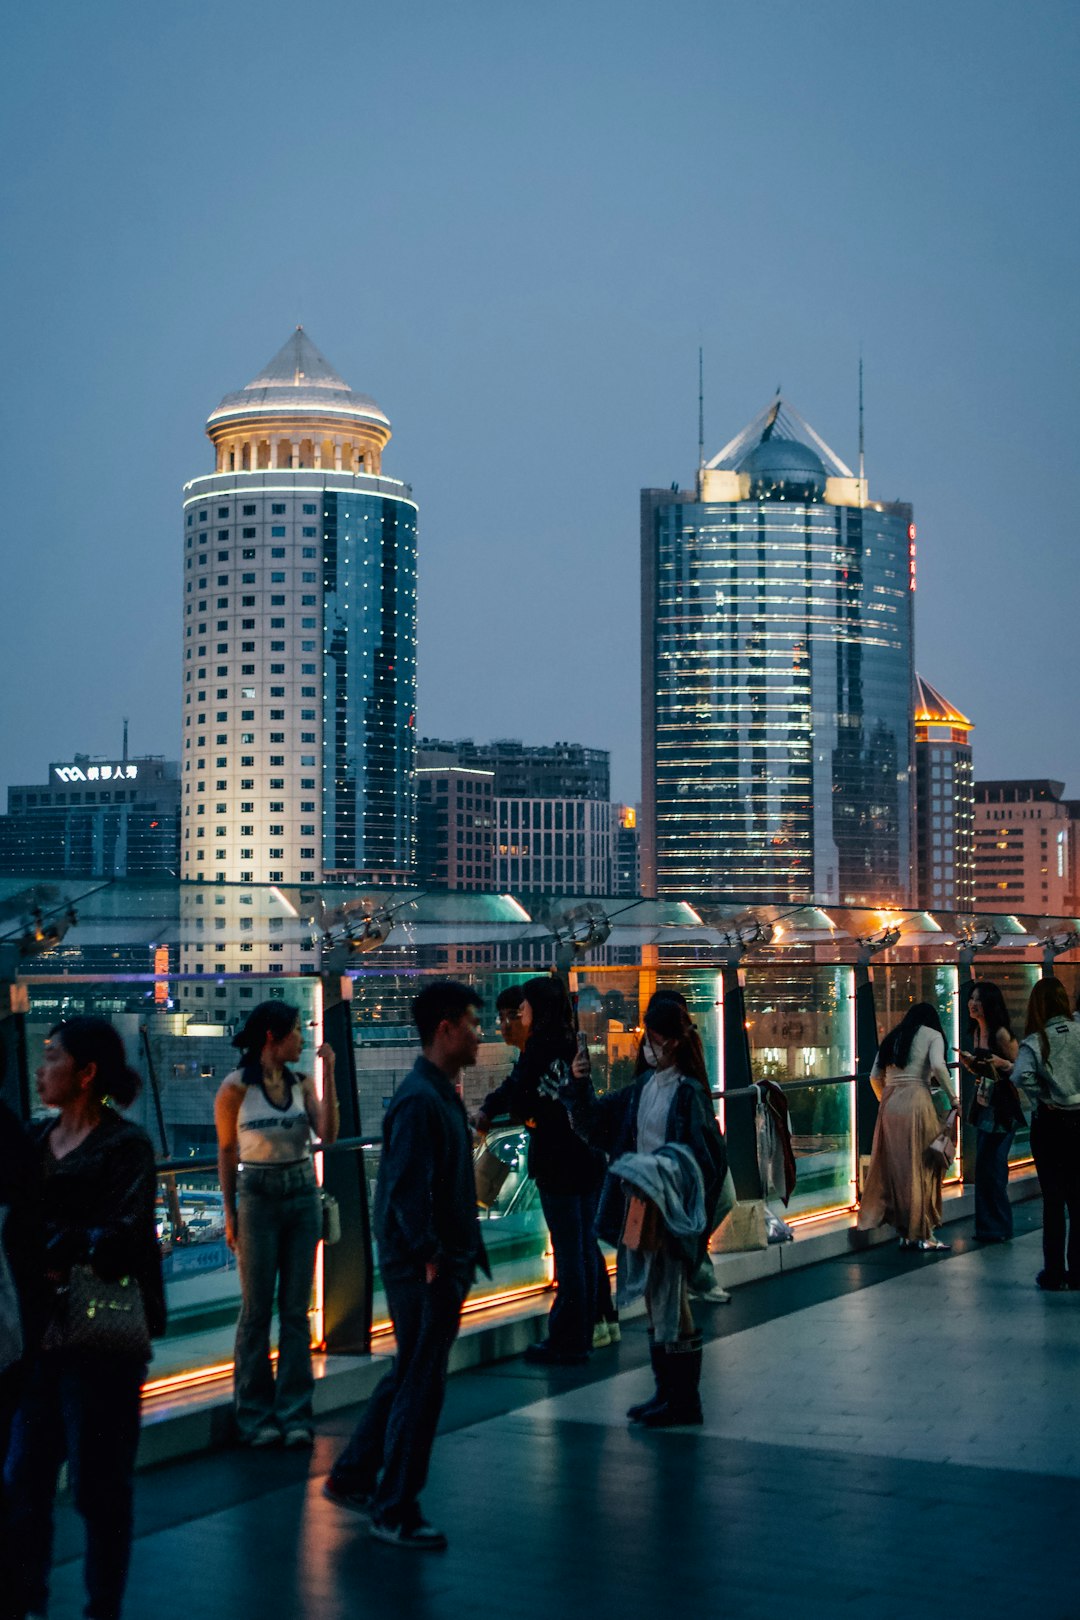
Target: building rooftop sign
<point>123,771</point>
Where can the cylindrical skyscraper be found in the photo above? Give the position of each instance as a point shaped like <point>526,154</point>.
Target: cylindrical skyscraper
<point>299,653</point>
<point>776,678</point>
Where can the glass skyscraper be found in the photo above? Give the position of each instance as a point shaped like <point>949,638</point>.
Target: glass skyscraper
<point>777,678</point>
<point>299,638</point>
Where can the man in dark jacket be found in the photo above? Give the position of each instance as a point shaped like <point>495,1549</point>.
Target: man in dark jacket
<point>429,1240</point>
<point>22,1297</point>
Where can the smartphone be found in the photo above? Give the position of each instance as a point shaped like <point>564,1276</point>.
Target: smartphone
<point>583,1043</point>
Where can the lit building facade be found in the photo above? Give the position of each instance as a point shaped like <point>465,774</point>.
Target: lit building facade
<point>945,803</point>
<point>777,671</point>
<point>299,637</point>
<point>553,818</point>
<point>1023,856</point>
<point>95,818</point>
<point>625,851</point>
<point>456,828</point>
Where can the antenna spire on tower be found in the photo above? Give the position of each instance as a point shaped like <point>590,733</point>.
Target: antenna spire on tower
<point>700,407</point>
<point>125,739</point>
<point>862,447</point>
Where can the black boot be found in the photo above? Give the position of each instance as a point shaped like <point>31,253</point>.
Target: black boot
<point>637,1413</point>
<point>681,1382</point>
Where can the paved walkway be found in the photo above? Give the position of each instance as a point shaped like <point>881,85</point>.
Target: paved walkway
<point>885,1435</point>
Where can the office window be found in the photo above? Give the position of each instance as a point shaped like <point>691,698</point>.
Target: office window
<point>277,508</point>
<point>278,533</point>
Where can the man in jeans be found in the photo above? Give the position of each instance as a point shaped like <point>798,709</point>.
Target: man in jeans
<point>429,1241</point>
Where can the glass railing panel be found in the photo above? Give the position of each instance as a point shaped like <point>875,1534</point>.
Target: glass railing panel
<point>800,1021</point>
<point>822,1123</point>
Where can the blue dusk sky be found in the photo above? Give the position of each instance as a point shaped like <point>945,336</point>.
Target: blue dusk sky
<point>513,224</point>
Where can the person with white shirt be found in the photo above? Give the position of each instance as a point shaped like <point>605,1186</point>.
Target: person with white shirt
<point>903,1183</point>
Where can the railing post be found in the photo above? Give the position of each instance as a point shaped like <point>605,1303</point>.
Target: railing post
<point>740,1123</point>
<point>348,1266</point>
<point>965,1082</point>
<point>14,1005</point>
<point>866,1045</point>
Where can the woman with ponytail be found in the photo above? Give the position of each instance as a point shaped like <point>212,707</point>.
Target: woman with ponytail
<point>265,1117</point>
<point>82,1403</point>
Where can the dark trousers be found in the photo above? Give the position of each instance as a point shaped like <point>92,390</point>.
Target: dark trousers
<point>397,1431</point>
<point>569,1218</point>
<point>84,1408</point>
<point>11,1383</point>
<point>993,1212</point>
<point>1055,1145</point>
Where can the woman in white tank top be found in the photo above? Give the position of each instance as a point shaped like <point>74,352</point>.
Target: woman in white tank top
<point>903,1188</point>
<point>265,1116</point>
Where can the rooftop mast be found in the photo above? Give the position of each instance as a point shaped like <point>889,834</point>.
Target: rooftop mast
<point>701,408</point>
<point>862,456</point>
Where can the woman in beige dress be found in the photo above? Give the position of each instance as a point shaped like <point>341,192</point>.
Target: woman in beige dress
<point>903,1185</point>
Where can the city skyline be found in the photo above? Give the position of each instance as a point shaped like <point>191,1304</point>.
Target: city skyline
<point>490,283</point>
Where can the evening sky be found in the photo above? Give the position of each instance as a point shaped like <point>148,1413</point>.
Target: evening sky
<point>513,224</point>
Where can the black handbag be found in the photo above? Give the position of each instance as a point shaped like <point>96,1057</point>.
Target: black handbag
<point>103,1318</point>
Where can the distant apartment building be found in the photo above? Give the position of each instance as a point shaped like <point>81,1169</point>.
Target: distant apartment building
<point>455,828</point>
<point>552,816</point>
<point>945,803</point>
<point>1023,859</point>
<point>95,817</point>
<point>626,851</point>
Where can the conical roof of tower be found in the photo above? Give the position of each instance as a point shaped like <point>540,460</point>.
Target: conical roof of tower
<point>931,709</point>
<point>298,380</point>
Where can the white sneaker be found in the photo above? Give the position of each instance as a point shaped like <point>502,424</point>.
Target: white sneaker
<point>601,1335</point>
<point>262,1439</point>
<point>298,1438</point>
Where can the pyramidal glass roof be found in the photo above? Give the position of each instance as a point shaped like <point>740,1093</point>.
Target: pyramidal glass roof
<point>778,420</point>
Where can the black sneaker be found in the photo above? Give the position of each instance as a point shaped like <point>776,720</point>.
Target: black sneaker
<point>1051,1284</point>
<point>355,1501</point>
<point>416,1533</point>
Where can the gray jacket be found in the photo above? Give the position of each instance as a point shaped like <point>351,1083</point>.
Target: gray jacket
<point>1055,1079</point>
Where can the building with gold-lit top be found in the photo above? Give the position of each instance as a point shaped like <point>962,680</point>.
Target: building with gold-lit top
<point>945,799</point>
<point>776,623</point>
<point>299,637</point>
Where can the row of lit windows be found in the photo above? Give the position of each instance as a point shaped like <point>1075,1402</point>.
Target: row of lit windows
<point>250,509</point>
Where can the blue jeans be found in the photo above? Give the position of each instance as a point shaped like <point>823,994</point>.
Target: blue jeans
<point>993,1212</point>
<point>570,1218</point>
<point>279,1223</point>
<point>85,1408</point>
<point>397,1431</point>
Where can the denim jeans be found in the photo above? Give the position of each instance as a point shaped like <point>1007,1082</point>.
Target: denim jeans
<point>85,1408</point>
<point>570,1218</point>
<point>279,1222</point>
<point>993,1211</point>
<point>397,1431</point>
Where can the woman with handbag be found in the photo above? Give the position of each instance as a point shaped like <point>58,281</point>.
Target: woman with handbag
<point>265,1116</point>
<point>1047,1071</point>
<point>995,1110</point>
<point>666,1115</point>
<point>903,1183</point>
<point>81,1399</point>
<point>566,1171</point>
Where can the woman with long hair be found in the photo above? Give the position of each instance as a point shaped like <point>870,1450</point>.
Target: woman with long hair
<point>995,1110</point>
<point>81,1400</point>
<point>265,1116</point>
<point>566,1171</point>
<point>1047,1071</point>
<point>661,1132</point>
<point>903,1186</point>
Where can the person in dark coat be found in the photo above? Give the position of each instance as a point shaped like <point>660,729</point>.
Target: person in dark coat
<point>669,1103</point>
<point>567,1172</point>
<point>100,1185</point>
<point>430,1247</point>
<point>22,1300</point>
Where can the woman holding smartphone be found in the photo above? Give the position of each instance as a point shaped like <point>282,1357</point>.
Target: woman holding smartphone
<point>995,1111</point>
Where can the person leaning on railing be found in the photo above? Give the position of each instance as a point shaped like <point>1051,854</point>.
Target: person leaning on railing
<point>265,1115</point>
<point>1047,1072</point>
<point>82,1392</point>
<point>903,1183</point>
